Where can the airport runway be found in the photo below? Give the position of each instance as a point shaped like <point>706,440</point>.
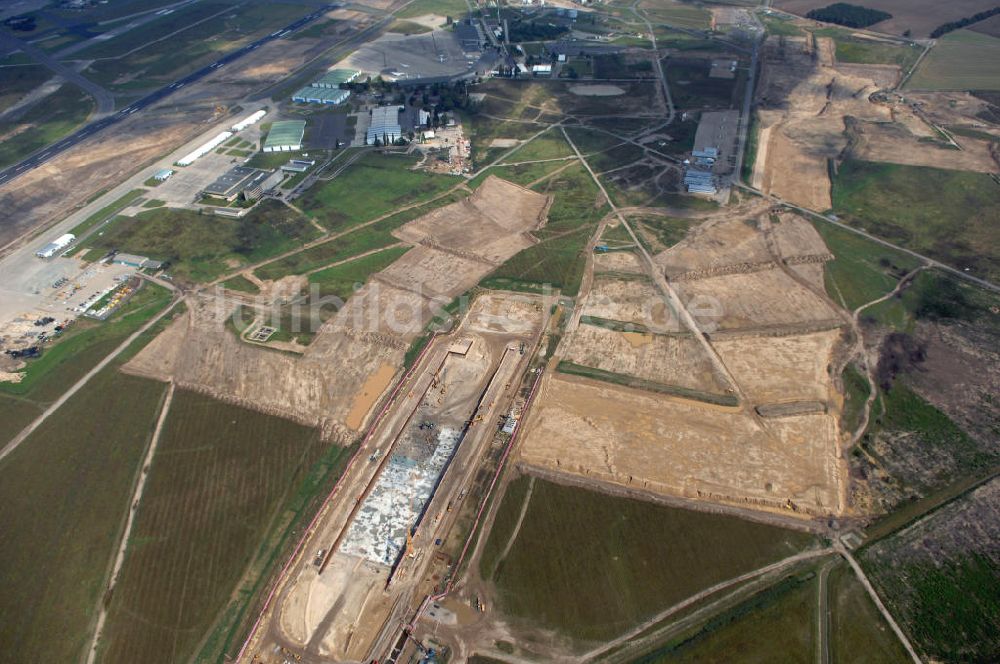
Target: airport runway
<point>45,154</point>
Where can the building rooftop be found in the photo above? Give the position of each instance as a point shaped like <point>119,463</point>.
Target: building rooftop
<point>286,132</point>
<point>321,95</point>
<point>385,124</point>
<point>335,77</point>
<point>234,181</point>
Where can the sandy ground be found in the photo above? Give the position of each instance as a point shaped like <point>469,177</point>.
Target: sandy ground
<point>332,381</point>
<point>778,338</point>
<point>804,98</point>
<point>596,430</point>
<point>898,144</point>
<point>669,360</point>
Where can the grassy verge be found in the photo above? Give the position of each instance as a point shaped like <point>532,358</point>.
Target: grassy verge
<point>241,284</point>
<point>107,212</point>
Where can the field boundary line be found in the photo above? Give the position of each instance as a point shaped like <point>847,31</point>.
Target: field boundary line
<point>137,493</point>
<point>58,403</point>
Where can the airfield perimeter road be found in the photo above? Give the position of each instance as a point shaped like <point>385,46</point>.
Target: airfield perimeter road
<point>45,154</point>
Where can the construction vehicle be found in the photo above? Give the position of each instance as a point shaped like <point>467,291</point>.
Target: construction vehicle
<point>428,653</point>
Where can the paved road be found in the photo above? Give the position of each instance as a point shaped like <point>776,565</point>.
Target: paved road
<point>105,100</point>
<point>45,154</point>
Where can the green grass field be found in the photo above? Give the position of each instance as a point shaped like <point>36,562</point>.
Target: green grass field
<point>522,174</point>
<point>961,60</point>
<point>18,80</point>
<point>677,14</point>
<point>241,284</point>
<point>372,186</point>
<point>454,8</point>
<point>342,280</point>
<point>550,145</point>
<point>58,115</point>
<point>941,580</point>
<point>774,625</point>
<point>858,632</point>
<point>201,247</point>
<point>106,212</point>
<point>65,492</point>
<point>375,236</point>
<point>214,462</point>
<point>559,259</point>
<point>862,270</point>
<point>948,215</point>
<point>559,575</point>
<point>177,44</point>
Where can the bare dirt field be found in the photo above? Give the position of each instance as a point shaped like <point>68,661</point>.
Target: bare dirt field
<point>491,225</point>
<point>626,300</point>
<point>765,299</point>
<point>895,143</point>
<point>713,245</point>
<point>367,337</point>
<point>918,16</point>
<point>712,453</point>
<point>783,369</point>
<point>670,360</point>
<point>624,262</point>
<point>779,448</point>
<point>803,100</point>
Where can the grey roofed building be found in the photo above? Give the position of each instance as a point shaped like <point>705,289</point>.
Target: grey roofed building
<point>233,182</point>
<point>385,126</point>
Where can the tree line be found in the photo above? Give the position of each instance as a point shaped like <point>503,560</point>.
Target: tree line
<point>962,22</point>
<point>851,16</point>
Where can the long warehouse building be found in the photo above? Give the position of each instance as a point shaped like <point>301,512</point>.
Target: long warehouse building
<point>384,127</point>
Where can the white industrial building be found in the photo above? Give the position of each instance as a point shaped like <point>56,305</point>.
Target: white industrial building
<point>384,126</point>
<point>204,149</point>
<point>249,120</point>
<point>56,246</point>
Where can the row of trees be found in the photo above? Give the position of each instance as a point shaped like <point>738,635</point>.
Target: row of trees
<point>851,16</point>
<point>962,22</point>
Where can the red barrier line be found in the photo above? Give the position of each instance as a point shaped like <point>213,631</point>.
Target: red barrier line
<point>482,507</point>
<point>329,497</point>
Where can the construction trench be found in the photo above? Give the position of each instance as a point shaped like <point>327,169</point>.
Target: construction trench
<point>365,564</point>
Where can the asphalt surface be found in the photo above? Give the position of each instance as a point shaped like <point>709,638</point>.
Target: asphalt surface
<point>105,100</point>
<point>45,154</point>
